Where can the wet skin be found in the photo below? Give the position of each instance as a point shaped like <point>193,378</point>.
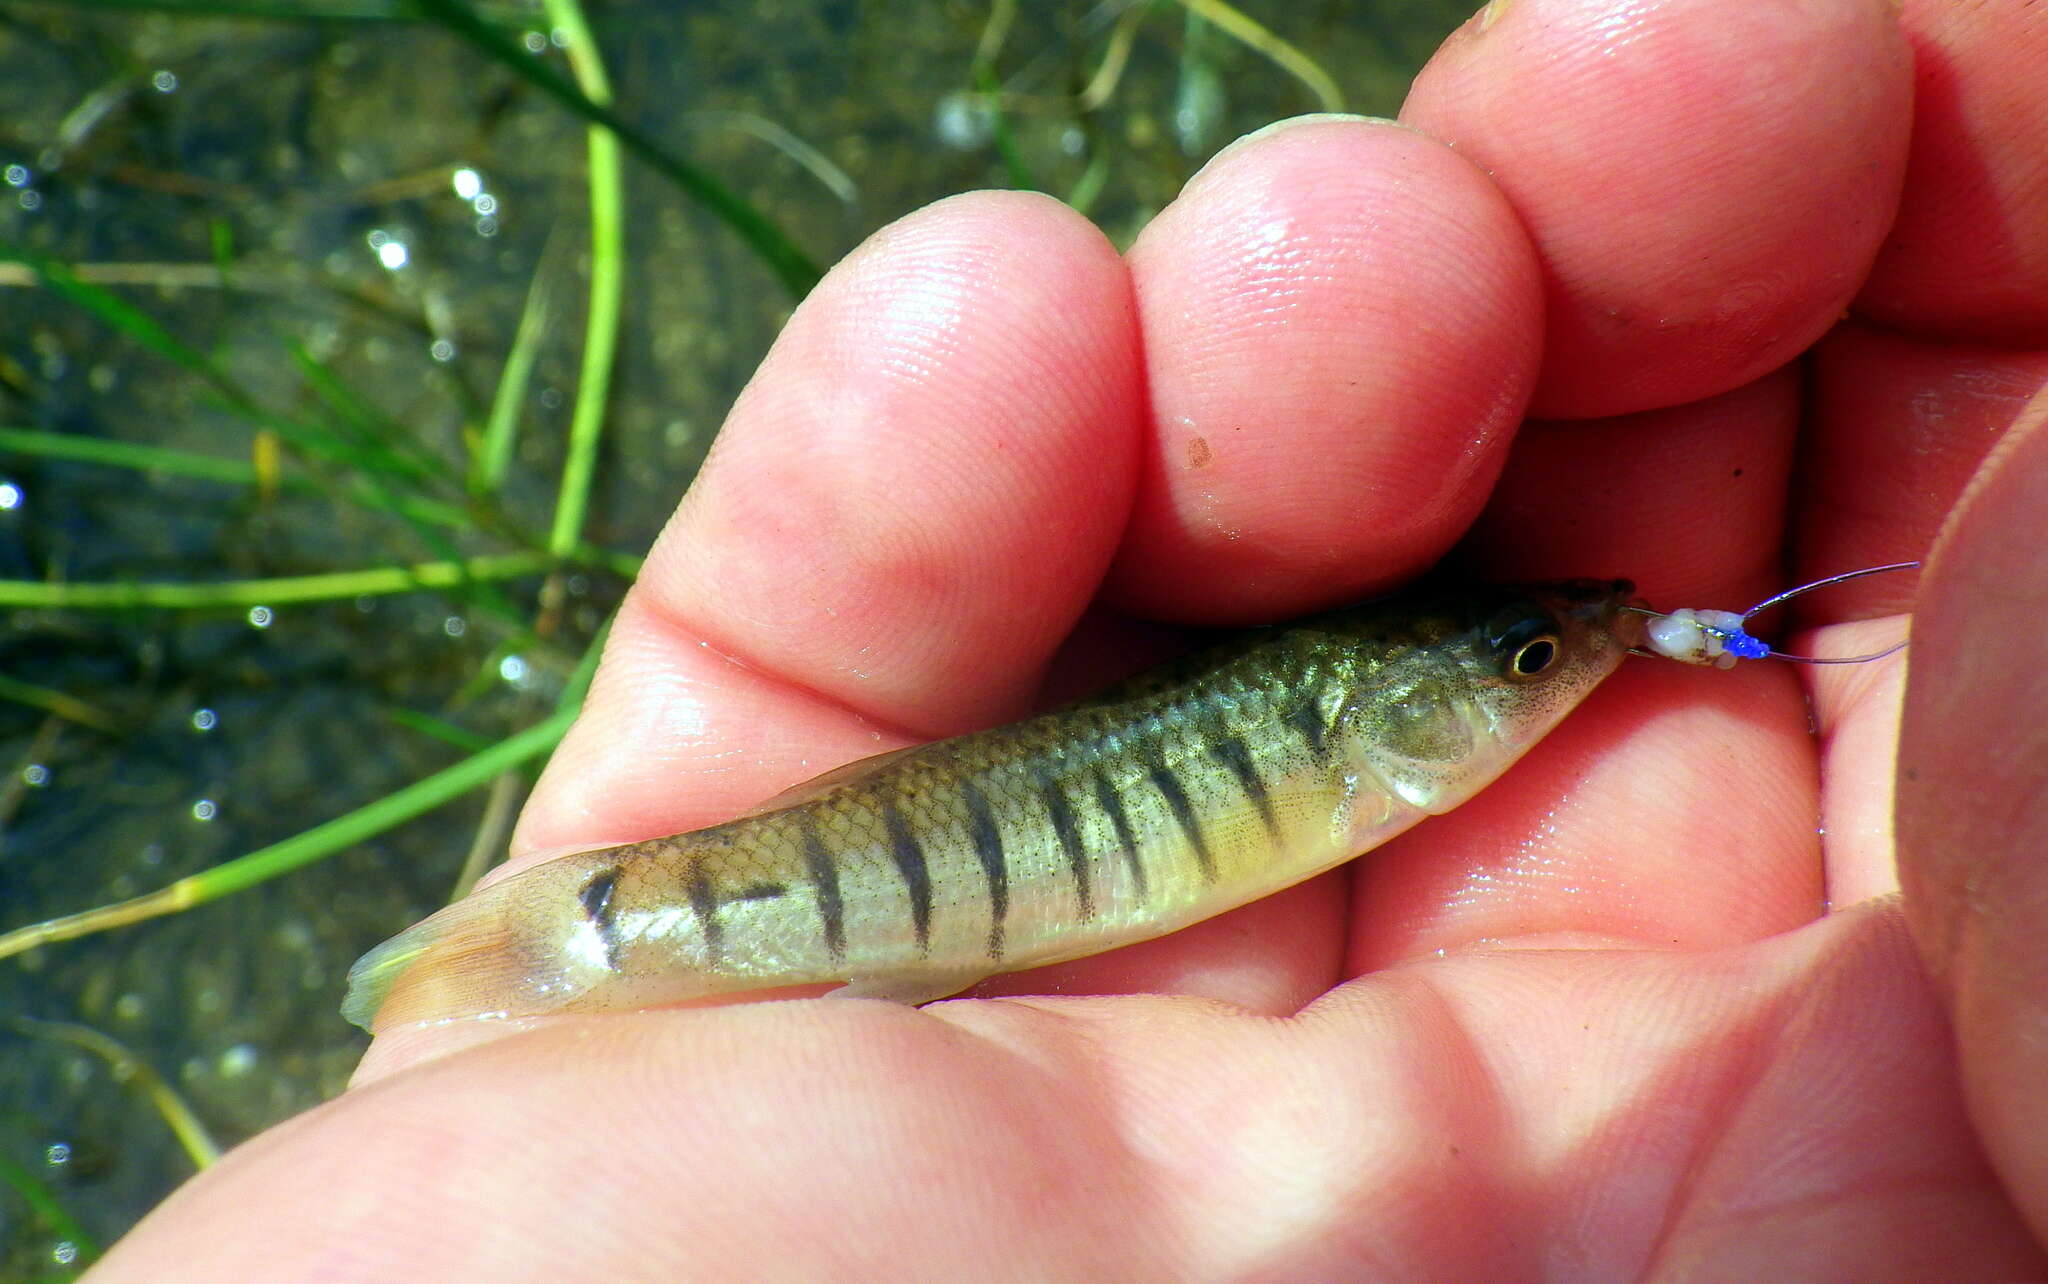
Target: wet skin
<point>1627,1014</point>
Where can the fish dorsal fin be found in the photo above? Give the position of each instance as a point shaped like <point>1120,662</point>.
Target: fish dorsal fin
<point>845,773</point>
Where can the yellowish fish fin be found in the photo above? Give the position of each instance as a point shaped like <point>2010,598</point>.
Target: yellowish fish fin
<point>915,990</point>
<point>804,791</point>
<point>468,958</point>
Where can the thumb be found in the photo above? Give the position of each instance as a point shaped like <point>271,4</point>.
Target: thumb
<point>1973,798</point>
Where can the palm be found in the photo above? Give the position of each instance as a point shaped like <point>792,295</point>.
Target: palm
<point>1600,1018</point>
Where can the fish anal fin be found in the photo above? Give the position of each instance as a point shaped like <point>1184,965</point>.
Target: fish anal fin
<point>913,989</point>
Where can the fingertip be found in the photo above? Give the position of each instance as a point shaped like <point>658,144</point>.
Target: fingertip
<point>916,495</point>
<point>675,735</point>
<point>1706,183</point>
<point>1340,324</point>
<point>1689,502</point>
<point>1967,256</point>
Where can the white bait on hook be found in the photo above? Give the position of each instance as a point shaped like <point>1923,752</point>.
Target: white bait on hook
<point>1696,636</point>
<point>1700,636</point>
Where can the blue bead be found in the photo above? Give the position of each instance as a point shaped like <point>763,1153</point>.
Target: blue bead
<point>1745,647</point>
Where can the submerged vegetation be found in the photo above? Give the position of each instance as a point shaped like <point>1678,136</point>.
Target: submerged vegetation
<point>350,352</point>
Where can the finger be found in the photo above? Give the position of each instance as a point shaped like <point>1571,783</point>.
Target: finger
<point>1687,502</point>
<point>907,509</point>
<point>1314,436</point>
<point>1273,956</point>
<point>1968,252</point>
<point>1897,427</point>
<point>916,495</point>
<point>1674,809</point>
<point>1592,1115</point>
<point>1633,140</point>
<point>1973,799</point>
<point>1676,806</point>
<point>1340,328</point>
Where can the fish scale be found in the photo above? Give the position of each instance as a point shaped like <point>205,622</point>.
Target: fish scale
<point>1200,786</point>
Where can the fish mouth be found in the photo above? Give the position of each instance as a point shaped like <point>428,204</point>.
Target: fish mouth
<point>1598,607</point>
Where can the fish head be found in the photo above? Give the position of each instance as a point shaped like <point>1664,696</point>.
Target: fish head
<point>1452,683</point>
<point>1532,652</point>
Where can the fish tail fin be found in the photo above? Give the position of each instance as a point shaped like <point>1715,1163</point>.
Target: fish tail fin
<point>470,958</point>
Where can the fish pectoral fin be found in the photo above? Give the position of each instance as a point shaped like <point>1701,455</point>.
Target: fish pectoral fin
<point>915,989</point>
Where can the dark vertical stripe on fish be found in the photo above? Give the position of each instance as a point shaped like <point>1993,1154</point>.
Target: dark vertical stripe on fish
<point>1233,753</point>
<point>1061,813</point>
<point>704,904</point>
<point>1307,718</point>
<point>823,872</point>
<point>988,847</point>
<point>1113,807</point>
<point>596,900</point>
<point>1176,796</point>
<point>908,854</point>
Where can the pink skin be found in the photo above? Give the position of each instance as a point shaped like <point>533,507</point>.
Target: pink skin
<point>1655,295</point>
<point>1965,255</point>
<point>1628,1014</point>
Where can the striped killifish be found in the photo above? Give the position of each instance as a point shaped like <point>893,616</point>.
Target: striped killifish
<point>1184,792</point>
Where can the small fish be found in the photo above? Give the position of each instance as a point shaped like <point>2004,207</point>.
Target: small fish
<point>1187,791</point>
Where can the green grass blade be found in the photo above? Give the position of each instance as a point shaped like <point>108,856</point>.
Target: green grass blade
<point>999,128</point>
<point>795,269</point>
<point>389,446</point>
<point>624,565</point>
<point>276,591</point>
<point>607,285</point>
<point>493,457</point>
<point>1087,188</point>
<point>440,729</point>
<point>285,11</point>
<point>145,330</point>
<point>65,706</point>
<point>1236,24</point>
<point>1114,59</point>
<point>125,318</point>
<point>812,161</point>
<point>303,849</point>
<point>393,453</point>
<point>124,454</point>
<point>42,1201</point>
<point>37,443</point>
<point>77,448</point>
<point>133,1072</point>
<point>324,840</point>
<point>493,832</point>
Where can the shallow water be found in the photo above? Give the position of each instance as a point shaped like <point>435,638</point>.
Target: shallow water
<point>384,198</point>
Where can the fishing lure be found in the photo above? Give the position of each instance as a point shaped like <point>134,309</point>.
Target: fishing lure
<point>1720,638</point>
<point>1191,790</point>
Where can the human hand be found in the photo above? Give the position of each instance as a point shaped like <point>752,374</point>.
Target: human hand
<point>1598,1023</point>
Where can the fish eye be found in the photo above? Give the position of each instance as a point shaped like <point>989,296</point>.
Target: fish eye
<point>1534,658</point>
<point>1528,648</point>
